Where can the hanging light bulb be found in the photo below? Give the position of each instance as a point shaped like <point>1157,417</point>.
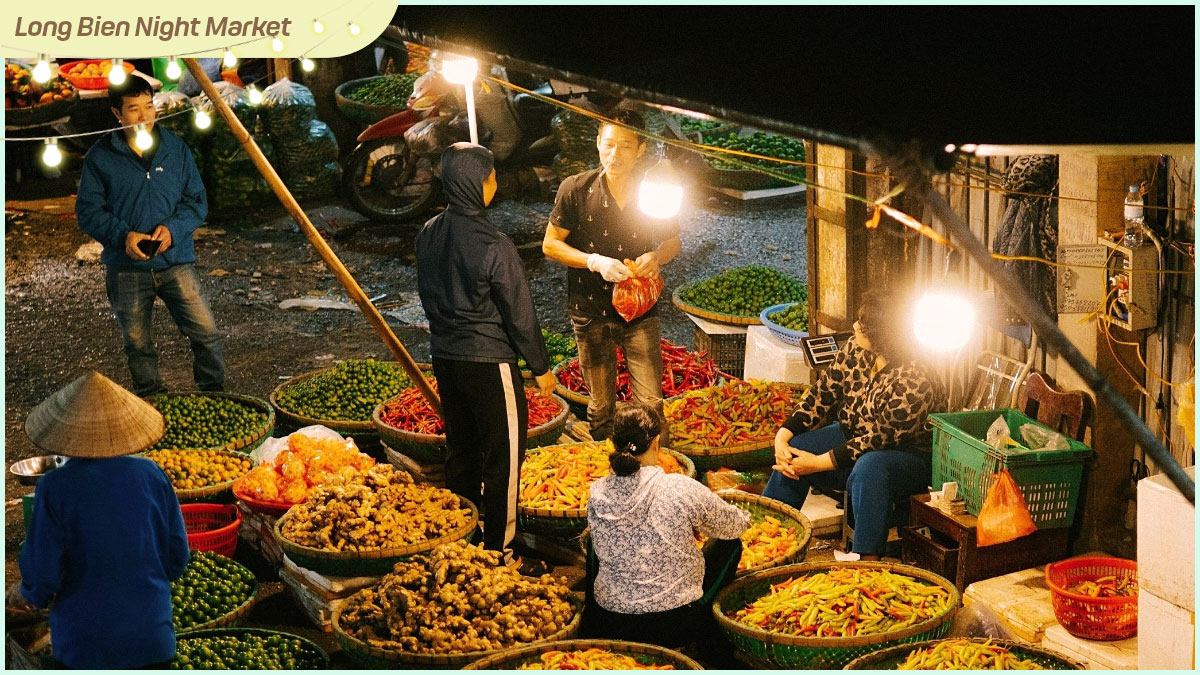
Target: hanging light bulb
<point>173,69</point>
<point>41,72</point>
<point>460,70</point>
<point>116,74</point>
<point>354,29</point>
<point>307,64</point>
<point>143,140</point>
<point>51,155</point>
<point>254,94</point>
<point>318,27</point>
<point>943,320</point>
<point>660,194</point>
<point>203,121</point>
<point>276,44</point>
<point>230,60</point>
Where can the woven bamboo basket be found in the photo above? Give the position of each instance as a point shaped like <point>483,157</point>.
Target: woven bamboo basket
<point>377,657</point>
<point>774,650</point>
<point>432,447</point>
<point>365,563</point>
<point>238,615</point>
<point>579,402</point>
<point>890,658</point>
<point>356,428</point>
<point>513,659</point>
<point>752,455</point>
<point>730,319</point>
<point>210,492</point>
<point>248,443</point>
<point>315,657</point>
<point>364,113</point>
<point>758,507</point>
<point>570,523</point>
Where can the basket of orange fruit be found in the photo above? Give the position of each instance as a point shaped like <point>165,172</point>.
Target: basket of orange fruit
<point>91,73</point>
<point>28,102</point>
<point>273,487</point>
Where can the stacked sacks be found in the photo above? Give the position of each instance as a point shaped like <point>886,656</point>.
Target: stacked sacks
<point>306,152</point>
<point>232,179</point>
<point>576,136</point>
<point>169,110</point>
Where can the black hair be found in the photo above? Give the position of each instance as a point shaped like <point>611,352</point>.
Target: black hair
<point>132,87</point>
<point>881,316</point>
<point>627,117</point>
<point>634,430</point>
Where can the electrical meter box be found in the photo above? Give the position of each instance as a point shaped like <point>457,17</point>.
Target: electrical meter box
<point>1131,291</point>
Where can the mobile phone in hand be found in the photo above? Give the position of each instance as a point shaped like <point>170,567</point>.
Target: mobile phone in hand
<point>149,247</point>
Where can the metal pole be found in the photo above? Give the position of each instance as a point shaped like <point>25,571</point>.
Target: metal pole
<point>310,232</point>
<point>470,89</point>
<point>1046,328</point>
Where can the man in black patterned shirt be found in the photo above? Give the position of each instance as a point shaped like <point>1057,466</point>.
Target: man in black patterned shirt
<point>598,232</point>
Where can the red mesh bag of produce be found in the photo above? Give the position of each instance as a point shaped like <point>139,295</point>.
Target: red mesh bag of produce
<point>636,295</point>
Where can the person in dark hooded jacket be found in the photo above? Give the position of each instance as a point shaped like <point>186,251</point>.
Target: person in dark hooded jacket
<point>481,319</point>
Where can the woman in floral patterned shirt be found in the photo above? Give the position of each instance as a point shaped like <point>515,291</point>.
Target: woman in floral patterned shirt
<point>862,428</point>
<point>651,575</point>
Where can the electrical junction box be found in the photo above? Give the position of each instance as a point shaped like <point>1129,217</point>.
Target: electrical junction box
<point>1131,295</point>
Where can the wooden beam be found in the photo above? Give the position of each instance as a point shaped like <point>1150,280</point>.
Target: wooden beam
<point>283,68</point>
<point>310,232</point>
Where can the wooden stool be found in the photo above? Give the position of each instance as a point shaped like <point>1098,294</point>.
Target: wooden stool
<point>945,544</point>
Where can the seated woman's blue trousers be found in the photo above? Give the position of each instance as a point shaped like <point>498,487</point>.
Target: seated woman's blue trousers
<point>874,483</point>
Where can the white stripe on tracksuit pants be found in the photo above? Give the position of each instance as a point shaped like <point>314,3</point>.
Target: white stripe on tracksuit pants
<point>486,417</point>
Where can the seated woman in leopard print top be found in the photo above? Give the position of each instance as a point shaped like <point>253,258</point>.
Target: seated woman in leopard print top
<point>862,428</point>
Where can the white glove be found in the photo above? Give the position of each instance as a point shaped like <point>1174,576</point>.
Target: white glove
<point>613,270</point>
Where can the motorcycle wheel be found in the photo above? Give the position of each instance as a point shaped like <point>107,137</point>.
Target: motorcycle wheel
<point>387,182</point>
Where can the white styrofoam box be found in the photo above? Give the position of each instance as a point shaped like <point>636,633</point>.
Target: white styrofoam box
<point>1166,541</point>
<point>824,513</point>
<point>768,358</point>
<point>1021,600</point>
<point>1095,654</point>
<point>1168,634</point>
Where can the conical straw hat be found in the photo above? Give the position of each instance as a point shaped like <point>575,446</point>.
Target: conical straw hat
<point>94,417</point>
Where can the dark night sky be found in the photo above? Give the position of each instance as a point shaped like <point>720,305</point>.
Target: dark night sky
<point>987,75</point>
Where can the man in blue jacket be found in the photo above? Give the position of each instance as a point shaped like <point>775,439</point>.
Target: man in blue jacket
<point>143,204</point>
<point>481,319</point>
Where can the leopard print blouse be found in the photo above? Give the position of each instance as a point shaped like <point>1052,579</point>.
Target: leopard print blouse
<point>887,410</point>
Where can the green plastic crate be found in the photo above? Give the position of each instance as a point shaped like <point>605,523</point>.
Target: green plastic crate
<point>1048,480</point>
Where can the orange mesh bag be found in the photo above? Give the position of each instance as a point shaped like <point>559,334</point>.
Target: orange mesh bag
<point>1004,515</point>
<point>636,295</point>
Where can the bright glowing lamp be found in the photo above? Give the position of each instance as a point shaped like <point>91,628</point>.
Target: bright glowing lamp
<point>41,72</point>
<point>460,70</point>
<point>943,320</point>
<point>354,29</point>
<point>254,95</point>
<point>307,64</point>
<point>173,69</point>
<point>116,75</point>
<point>276,44</point>
<point>229,60</point>
<point>51,155</point>
<point>660,194</point>
<point>203,121</point>
<point>142,139</point>
<point>318,27</point>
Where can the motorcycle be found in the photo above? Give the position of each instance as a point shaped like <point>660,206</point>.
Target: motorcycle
<point>393,176</point>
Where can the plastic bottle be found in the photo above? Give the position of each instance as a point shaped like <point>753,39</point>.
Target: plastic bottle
<point>1134,218</point>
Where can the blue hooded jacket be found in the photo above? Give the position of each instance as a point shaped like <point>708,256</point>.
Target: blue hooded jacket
<point>470,276</point>
<point>119,194</point>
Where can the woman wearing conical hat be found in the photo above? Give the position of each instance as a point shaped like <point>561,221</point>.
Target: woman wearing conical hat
<point>107,536</point>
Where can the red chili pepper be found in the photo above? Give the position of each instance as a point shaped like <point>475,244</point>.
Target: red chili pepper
<point>682,371</point>
<point>410,411</point>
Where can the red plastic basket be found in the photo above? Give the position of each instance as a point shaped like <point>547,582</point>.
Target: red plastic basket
<point>212,527</point>
<point>1087,617</point>
<point>266,508</point>
<point>81,82</point>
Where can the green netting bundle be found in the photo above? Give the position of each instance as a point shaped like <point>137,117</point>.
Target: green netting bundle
<point>288,109</point>
<point>306,156</point>
<point>319,184</point>
<point>576,136</point>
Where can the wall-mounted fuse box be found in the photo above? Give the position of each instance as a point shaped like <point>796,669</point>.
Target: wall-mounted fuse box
<point>1131,286</point>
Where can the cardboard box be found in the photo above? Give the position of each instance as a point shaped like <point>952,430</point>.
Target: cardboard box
<point>1095,654</point>
<point>1167,632</point>
<point>1166,541</point>
<point>769,358</point>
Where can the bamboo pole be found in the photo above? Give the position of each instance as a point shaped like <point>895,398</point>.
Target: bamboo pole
<point>310,232</point>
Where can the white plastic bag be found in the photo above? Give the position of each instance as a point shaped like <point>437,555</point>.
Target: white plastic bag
<point>270,448</point>
<point>1040,438</point>
<point>998,435</point>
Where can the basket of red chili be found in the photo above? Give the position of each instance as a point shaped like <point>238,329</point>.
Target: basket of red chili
<point>409,425</point>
